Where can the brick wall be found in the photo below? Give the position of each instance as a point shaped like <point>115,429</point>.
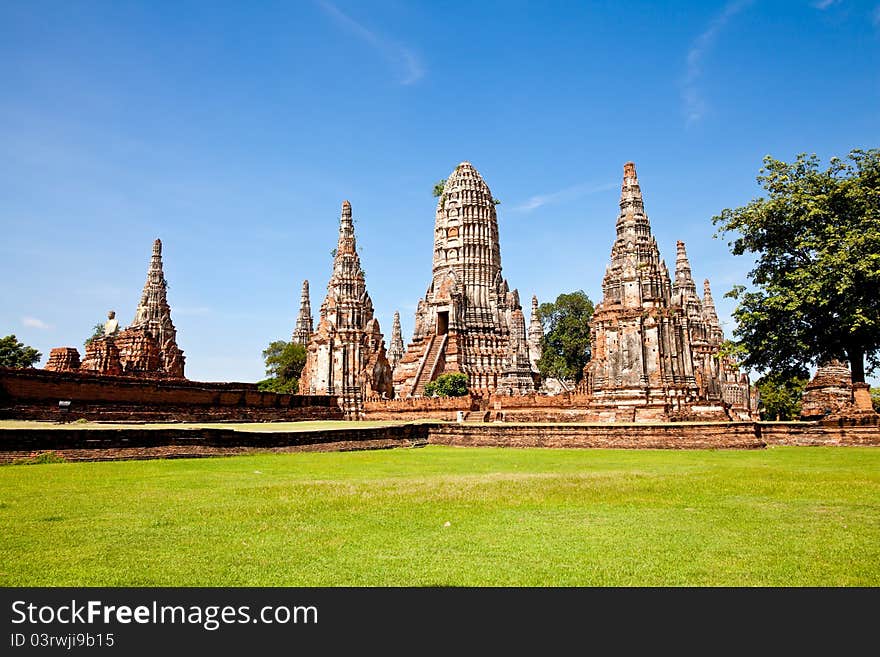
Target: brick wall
<point>108,443</point>
<point>34,394</point>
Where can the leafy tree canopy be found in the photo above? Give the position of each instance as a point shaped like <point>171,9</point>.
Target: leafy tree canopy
<point>781,396</point>
<point>816,281</point>
<point>439,186</point>
<point>875,398</point>
<point>16,354</point>
<point>453,384</point>
<point>566,343</point>
<point>284,364</point>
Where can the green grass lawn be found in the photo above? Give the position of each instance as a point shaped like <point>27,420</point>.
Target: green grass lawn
<point>449,516</point>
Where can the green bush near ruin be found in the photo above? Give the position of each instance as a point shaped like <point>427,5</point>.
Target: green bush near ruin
<point>449,516</point>
<point>453,384</point>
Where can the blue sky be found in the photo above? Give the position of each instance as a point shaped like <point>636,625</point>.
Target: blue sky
<point>234,131</point>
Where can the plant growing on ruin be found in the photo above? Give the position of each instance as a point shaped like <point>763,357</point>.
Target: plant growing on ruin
<point>97,332</point>
<point>16,354</point>
<point>815,286</point>
<point>566,342</point>
<point>453,384</point>
<point>439,186</point>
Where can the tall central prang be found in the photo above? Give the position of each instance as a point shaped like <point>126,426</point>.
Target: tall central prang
<point>469,320</point>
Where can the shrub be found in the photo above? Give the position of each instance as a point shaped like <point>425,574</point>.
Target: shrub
<point>454,384</point>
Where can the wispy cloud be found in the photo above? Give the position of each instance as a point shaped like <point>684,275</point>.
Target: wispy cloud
<point>694,105</point>
<point>567,194</point>
<point>33,322</point>
<point>822,5</point>
<point>875,17</point>
<point>404,60</point>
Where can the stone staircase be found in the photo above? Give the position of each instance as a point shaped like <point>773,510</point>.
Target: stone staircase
<point>426,374</point>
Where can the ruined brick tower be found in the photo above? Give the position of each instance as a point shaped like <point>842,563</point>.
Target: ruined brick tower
<point>346,354</point>
<point>638,341</point>
<point>655,343</point>
<point>465,320</point>
<point>147,348</point>
<point>396,350</point>
<point>304,328</point>
<point>153,316</point>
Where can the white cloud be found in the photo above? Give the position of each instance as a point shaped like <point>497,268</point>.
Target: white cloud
<point>694,105</point>
<point>822,5</point>
<point>567,194</point>
<point>407,62</point>
<point>33,322</point>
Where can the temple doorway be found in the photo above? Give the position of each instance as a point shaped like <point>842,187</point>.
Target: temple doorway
<point>442,322</point>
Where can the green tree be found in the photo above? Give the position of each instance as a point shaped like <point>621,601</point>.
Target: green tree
<point>16,354</point>
<point>875,398</point>
<point>566,343</point>
<point>284,364</point>
<point>97,332</point>
<point>453,384</point>
<point>816,281</point>
<point>781,396</point>
<point>439,186</point>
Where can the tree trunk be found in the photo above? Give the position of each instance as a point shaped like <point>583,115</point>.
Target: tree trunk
<point>856,357</point>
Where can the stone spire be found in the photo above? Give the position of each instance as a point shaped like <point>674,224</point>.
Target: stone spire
<point>304,327</point>
<point>346,354</point>
<point>536,334</point>
<point>636,277</point>
<point>641,353</point>
<point>347,288</point>
<point>154,298</point>
<point>466,321</point>
<point>684,290</point>
<point>153,315</point>
<point>710,317</point>
<point>466,245</point>
<point>395,353</point>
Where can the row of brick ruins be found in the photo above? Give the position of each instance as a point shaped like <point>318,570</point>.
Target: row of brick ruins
<point>147,348</point>
<point>656,344</point>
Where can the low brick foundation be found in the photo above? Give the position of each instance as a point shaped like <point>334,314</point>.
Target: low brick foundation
<point>733,435</point>
<point>125,444</point>
<point>31,394</point>
<point>81,444</point>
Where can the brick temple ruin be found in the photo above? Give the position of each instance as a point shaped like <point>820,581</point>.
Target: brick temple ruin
<point>831,396</point>
<point>147,348</point>
<point>469,320</point>
<point>655,343</point>
<point>346,353</point>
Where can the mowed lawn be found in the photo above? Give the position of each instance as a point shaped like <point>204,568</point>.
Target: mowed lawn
<point>449,516</point>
